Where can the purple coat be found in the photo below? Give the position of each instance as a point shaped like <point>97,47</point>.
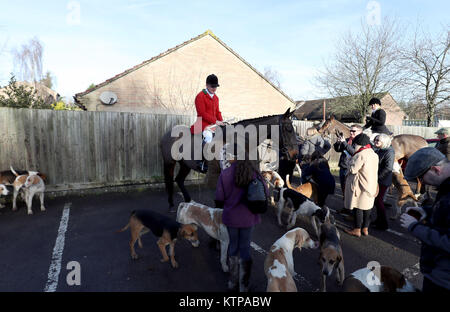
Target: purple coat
<point>235,211</point>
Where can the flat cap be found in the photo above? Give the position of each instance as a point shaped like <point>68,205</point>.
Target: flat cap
<point>442,131</point>
<point>421,161</point>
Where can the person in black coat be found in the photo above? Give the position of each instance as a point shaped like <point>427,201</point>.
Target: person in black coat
<point>319,171</point>
<point>377,119</point>
<point>386,157</point>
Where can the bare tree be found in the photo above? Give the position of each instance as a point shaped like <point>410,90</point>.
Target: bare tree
<point>273,76</point>
<point>429,64</point>
<point>363,65</point>
<point>28,61</point>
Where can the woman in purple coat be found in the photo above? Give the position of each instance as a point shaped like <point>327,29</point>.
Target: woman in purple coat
<point>239,220</point>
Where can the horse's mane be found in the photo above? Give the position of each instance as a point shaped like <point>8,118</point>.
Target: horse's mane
<point>257,119</point>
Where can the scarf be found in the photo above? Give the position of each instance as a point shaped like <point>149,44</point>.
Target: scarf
<point>362,148</point>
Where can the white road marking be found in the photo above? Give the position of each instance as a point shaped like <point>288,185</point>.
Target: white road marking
<point>55,265</point>
<point>395,232</point>
<point>297,277</point>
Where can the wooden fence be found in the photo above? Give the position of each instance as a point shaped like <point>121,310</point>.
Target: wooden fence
<point>78,149</point>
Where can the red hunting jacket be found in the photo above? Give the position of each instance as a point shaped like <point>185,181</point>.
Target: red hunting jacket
<point>208,109</point>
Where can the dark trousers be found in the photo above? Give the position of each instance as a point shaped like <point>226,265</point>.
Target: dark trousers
<point>240,239</point>
<point>429,286</point>
<point>379,204</point>
<point>362,218</point>
<point>321,198</point>
<point>342,173</point>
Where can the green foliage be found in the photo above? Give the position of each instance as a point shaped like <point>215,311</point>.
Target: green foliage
<point>20,96</point>
<point>60,105</point>
<point>91,86</point>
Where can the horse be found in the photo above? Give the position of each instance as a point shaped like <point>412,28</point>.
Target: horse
<point>287,145</point>
<point>404,146</point>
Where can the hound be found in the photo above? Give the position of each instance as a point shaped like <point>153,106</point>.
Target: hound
<point>383,279</point>
<point>331,257</point>
<point>210,219</point>
<point>299,204</point>
<point>309,189</point>
<point>3,191</point>
<point>274,181</point>
<point>35,185</point>
<point>168,230</point>
<point>279,263</point>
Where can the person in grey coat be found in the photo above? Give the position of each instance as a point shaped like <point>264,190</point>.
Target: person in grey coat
<point>431,225</point>
<point>314,142</point>
<point>386,157</point>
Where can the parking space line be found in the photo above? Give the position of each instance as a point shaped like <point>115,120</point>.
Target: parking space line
<point>55,265</point>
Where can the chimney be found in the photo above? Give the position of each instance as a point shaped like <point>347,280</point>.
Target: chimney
<point>324,110</point>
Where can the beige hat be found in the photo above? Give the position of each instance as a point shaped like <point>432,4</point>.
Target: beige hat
<point>442,131</point>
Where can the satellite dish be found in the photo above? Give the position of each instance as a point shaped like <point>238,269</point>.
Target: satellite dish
<point>108,98</point>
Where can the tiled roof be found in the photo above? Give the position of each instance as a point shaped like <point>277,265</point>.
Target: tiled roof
<point>206,33</point>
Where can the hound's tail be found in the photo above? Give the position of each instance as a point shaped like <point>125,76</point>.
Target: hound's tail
<point>124,228</point>
<point>14,172</point>
<point>288,184</point>
<point>128,224</point>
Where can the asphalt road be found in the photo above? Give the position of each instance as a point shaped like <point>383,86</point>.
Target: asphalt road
<point>86,227</point>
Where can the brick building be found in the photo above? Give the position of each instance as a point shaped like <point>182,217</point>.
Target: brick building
<point>169,82</point>
<point>323,108</point>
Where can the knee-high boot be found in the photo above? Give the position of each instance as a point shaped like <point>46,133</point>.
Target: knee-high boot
<point>245,269</point>
<point>233,283</point>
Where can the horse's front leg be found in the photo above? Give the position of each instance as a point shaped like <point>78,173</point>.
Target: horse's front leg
<point>181,177</point>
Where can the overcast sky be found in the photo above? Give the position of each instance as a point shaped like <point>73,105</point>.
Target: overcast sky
<point>90,41</point>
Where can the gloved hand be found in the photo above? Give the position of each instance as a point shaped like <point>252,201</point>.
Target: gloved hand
<point>406,220</point>
<point>419,210</point>
<point>368,118</point>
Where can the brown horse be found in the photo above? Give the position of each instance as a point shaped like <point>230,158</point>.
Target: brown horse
<point>404,146</point>
<point>287,145</point>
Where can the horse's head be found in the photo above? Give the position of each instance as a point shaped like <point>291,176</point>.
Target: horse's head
<point>288,136</point>
<point>325,128</point>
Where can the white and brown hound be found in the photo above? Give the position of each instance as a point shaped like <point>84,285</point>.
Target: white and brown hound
<point>3,191</point>
<point>210,219</point>
<point>274,181</point>
<point>279,263</point>
<point>30,183</point>
<point>383,279</point>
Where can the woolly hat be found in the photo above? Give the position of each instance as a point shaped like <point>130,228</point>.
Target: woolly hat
<point>361,139</point>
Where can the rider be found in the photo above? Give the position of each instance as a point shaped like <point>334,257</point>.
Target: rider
<point>208,113</point>
<point>377,119</point>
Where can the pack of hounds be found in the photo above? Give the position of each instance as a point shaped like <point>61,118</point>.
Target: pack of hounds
<point>279,262</point>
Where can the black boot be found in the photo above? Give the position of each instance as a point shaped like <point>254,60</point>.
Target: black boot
<point>233,283</point>
<point>245,269</point>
